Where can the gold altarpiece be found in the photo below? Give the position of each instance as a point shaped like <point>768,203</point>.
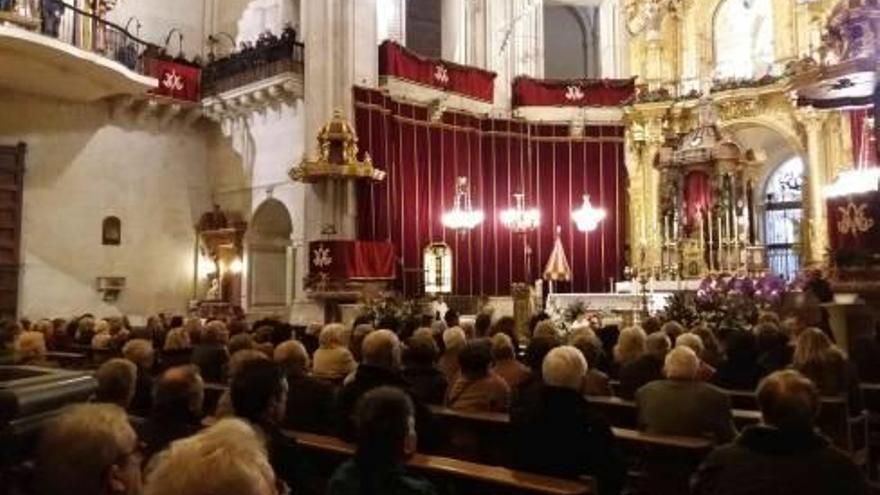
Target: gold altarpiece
<point>672,52</point>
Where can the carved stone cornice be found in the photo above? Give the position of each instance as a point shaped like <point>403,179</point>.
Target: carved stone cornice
<point>165,111</point>
<point>254,97</point>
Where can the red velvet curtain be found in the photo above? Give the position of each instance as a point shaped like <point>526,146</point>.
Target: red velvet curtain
<point>698,196</point>
<point>500,157</point>
<point>857,121</point>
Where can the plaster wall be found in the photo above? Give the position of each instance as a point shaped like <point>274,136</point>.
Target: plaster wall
<point>81,166</point>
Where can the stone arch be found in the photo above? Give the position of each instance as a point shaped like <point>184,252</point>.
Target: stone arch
<point>269,257</point>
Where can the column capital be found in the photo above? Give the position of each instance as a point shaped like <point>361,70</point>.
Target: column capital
<point>811,118</point>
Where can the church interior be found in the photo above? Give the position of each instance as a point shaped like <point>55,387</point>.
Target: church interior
<point>439,247</point>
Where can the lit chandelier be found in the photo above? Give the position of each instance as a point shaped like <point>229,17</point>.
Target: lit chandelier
<point>462,216</point>
<point>861,179</point>
<point>519,219</point>
<point>587,218</point>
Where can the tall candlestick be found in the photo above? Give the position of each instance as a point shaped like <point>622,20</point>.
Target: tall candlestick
<point>709,225</point>
<point>666,231</point>
<point>700,220</point>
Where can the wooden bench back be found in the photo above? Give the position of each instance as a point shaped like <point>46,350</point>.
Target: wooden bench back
<point>658,464</point>
<point>460,476</point>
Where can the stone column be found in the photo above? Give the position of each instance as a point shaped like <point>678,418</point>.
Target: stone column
<point>815,224</point>
<point>453,31</point>
<point>613,40</point>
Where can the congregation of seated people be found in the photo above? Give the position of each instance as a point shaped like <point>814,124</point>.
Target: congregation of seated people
<point>379,385</point>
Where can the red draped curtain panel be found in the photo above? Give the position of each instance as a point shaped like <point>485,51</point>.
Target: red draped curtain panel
<point>857,122</point>
<point>499,157</point>
<point>698,196</point>
<point>572,92</point>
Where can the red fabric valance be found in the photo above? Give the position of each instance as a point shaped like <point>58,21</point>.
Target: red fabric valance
<point>176,80</point>
<point>572,92</point>
<point>350,260</point>
<point>397,61</point>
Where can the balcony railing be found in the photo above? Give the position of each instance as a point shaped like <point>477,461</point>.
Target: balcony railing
<point>270,56</point>
<point>74,23</point>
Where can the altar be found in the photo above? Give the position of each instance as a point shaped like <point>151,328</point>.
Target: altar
<point>633,287</point>
<point>615,308</point>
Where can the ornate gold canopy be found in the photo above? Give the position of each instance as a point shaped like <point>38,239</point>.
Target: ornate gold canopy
<point>337,156</point>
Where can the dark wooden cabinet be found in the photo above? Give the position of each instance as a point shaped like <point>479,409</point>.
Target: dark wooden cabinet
<point>11,189</point>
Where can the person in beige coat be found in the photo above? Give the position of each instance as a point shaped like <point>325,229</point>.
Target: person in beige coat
<point>332,359</point>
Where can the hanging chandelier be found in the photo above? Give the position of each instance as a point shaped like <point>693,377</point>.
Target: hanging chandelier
<point>864,177</point>
<point>587,218</point>
<point>520,219</point>
<point>462,216</point>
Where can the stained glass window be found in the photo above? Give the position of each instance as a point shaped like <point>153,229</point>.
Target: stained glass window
<point>783,217</point>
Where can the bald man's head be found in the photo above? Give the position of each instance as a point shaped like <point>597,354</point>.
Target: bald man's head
<point>179,389</point>
<point>381,348</point>
<point>788,400</point>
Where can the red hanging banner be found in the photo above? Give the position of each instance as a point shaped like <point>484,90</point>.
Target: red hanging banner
<point>176,80</point>
<point>472,82</point>
<point>572,92</point>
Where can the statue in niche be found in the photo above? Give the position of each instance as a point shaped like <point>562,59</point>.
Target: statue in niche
<point>213,293</point>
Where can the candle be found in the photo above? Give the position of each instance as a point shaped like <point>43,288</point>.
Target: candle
<point>675,226</point>
<point>700,220</point>
<point>666,231</point>
<point>709,226</point>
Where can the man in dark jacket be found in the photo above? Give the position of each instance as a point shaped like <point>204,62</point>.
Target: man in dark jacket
<point>310,401</point>
<point>259,394</point>
<point>784,454</point>
<point>645,369</point>
<point>177,409</point>
<point>425,380</point>
<point>381,367</point>
<point>559,434</point>
<point>210,354</point>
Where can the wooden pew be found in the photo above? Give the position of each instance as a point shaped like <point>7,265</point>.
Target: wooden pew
<point>69,360</point>
<point>458,476</point>
<point>624,413</point>
<point>659,464</point>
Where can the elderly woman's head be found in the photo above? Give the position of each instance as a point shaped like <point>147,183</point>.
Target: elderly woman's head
<point>332,335</point>
<point>630,345</point>
<point>813,347</point>
<point>564,367</point>
<point>292,356</point>
<point>215,333</point>
<point>502,348</point>
<point>454,339</point>
<point>30,347</point>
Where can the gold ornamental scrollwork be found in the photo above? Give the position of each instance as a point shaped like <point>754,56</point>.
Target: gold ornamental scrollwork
<point>853,219</point>
<point>738,108</point>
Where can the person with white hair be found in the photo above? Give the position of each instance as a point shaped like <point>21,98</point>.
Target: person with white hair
<point>310,401</point>
<point>381,365</point>
<point>226,459</point>
<point>695,343</point>
<point>682,405</point>
<point>454,340</point>
<point>140,352</point>
<point>646,368</point>
<point>89,449</point>
<point>559,433</point>
<point>332,360</point>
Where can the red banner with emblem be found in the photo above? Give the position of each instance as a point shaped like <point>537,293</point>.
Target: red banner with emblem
<point>572,92</point>
<point>176,80</point>
<point>351,260</point>
<point>472,82</point>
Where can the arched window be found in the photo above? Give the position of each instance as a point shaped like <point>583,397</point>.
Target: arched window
<point>571,41</point>
<point>423,27</point>
<point>111,231</point>
<point>783,216</point>
<point>743,39</point>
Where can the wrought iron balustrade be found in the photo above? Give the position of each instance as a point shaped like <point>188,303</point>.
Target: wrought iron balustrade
<point>270,56</point>
<point>75,23</point>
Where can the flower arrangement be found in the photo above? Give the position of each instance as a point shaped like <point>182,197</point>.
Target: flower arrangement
<point>734,301</point>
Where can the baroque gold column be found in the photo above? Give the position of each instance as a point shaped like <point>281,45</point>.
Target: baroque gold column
<point>815,224</point>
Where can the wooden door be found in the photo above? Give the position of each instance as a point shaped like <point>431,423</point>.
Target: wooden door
<point>11,188</point>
